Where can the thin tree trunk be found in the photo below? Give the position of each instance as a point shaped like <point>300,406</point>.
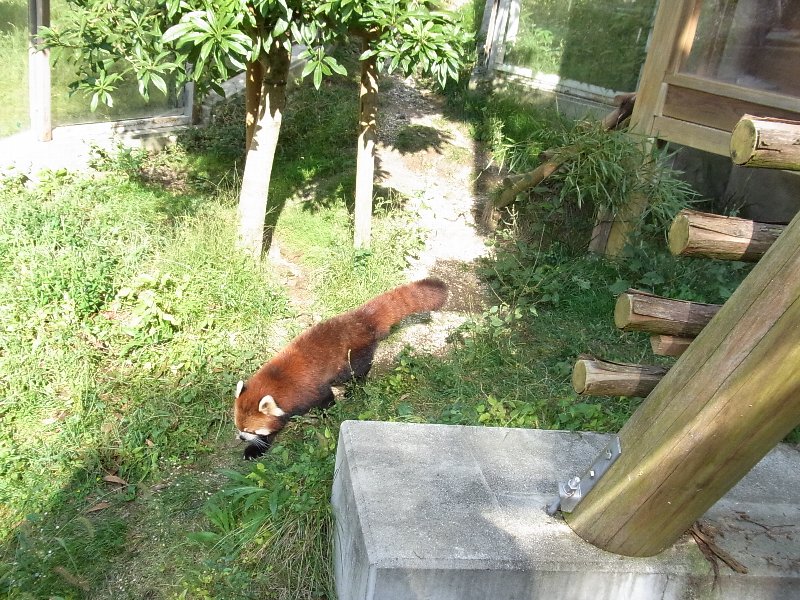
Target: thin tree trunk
<point>254,234</point>
<point>254,79</point>
<point>365,168</point>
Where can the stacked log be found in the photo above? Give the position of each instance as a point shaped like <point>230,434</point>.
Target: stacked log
<point>725,403</point>
<point>594,377</point>
<point>673,324</point>
<point>716,236</point>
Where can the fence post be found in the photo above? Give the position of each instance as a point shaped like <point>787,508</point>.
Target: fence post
<point>39,72</point>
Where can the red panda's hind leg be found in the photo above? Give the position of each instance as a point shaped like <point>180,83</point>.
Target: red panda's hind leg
<point>326,399</point>
<point>361,360</point>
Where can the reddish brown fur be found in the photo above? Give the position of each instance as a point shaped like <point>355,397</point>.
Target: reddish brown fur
<point>299,377</point>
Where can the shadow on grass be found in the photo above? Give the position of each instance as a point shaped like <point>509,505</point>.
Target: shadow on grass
<point>120,527</point>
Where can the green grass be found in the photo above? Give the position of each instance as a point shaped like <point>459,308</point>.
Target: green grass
<point>126,321</point>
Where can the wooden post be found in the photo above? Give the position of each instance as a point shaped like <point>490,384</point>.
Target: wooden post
<point>39,73</point>
<point>669,345</point>
<point>727,401</point>
<point>639,311</point>
<point>715,236</point>
<point>594,377</point>
<point>763,142</point>
<point>623,224</point>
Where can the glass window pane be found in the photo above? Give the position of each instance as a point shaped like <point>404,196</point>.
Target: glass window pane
<point>750,43</point>
<point>14,74</point>
<point>128,103</point>
<point>600,42</point>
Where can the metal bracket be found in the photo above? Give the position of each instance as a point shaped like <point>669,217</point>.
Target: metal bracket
<point>574,490</point>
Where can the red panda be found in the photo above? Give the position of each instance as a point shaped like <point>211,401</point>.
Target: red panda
<point>300,376</point>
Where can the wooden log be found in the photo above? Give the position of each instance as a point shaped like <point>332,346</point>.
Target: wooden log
<point>715,236</point>
<point>516,184</point>
<point>766,142</point>
<point>727,401</point>
<point>530,179</point>
<point>640,311</point>
<point>669,345</point>
<point>513,185</point>
<point>594,377</point>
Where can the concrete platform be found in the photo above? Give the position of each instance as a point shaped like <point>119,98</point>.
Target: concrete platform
<point>439,512</point>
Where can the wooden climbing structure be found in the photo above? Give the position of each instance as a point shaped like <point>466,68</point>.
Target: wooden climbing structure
<point>732,395</point>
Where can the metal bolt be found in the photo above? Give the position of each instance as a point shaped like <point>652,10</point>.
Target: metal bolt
<point>591,473</point>
<point>574,483</point>
<point>608,454</point>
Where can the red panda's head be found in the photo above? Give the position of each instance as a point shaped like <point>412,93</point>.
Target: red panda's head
<point>258,419</point>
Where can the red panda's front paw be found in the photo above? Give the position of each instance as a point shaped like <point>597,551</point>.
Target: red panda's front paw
<point>254,451</point>
<point>258,446</point>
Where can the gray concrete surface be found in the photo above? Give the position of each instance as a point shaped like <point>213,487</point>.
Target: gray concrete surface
<point>439,512</point>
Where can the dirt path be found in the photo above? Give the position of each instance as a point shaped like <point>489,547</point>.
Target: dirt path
<point>429,160</point>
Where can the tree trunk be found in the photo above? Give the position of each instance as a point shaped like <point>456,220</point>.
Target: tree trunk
<point>714,236</point>
<point>254,234</point>
<point>764,142</point>
<point>594,377</point>
<point>365,166</point>
<point>730,399</point>
<point>254,79</point>
<point>639,311</point>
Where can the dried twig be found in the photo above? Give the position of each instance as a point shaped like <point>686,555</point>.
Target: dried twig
<point>705,541</point>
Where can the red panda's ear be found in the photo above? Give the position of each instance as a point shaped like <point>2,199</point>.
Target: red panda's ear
<point>239,388</point>
<point>269,407</point>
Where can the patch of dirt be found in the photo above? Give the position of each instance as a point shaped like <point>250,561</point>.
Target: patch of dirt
<point>430,160</point>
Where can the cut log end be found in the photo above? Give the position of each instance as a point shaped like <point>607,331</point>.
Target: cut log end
<point>623,310</point>
<point>579,376</point>
<point>678,237</point>
<point>744,141</point>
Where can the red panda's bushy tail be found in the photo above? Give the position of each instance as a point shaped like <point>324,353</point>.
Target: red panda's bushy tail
<point>393,306</point>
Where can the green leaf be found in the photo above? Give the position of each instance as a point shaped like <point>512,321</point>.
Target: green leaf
<point>318,76</point>
<point>619,286</point>
<point>280,27</point>
<point>177,31</point>
<point>310,66</point>
<point>159,82</point>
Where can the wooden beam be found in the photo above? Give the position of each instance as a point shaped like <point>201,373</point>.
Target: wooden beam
<point>765,142</point>
<point>595,377</point>
<point>727,401</point>
<point>716,236</point>
<point>669,345</point>
<point>640,311</point>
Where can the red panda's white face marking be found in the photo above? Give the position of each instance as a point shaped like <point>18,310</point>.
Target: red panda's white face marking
<point>256,421</point>
<point>269,407</point>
